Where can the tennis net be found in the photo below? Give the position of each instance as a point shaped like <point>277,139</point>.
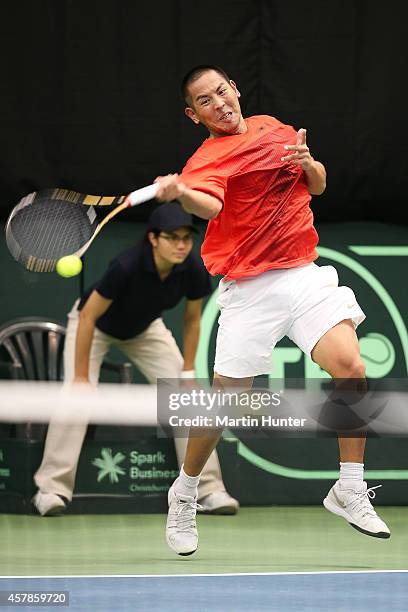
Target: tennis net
<point>107,404</point>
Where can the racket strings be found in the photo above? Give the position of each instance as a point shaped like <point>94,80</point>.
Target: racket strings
<point>50,231</point>
<point>45,226</point>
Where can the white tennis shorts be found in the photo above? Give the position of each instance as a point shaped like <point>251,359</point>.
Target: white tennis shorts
<point>302,303</point>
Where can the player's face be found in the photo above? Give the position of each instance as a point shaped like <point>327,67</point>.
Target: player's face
<point>215,103</point>
<point>173,246</point>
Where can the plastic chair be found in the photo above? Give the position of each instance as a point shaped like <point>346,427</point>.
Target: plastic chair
<point>33,347</point>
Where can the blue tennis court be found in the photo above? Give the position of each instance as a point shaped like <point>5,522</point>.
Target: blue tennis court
<point>336,591</point>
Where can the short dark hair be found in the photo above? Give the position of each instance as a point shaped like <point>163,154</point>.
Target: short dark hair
<point>194,73</point>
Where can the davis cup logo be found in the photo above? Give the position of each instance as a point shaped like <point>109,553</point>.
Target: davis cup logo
<point>372,272</point>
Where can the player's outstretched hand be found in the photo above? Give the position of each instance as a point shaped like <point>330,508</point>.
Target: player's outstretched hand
<point>170,188</point>
<point>301,156</point>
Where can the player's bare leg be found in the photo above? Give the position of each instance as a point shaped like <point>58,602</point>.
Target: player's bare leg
<point>181,529</point>
<point>203,440</point>
<point>338,353</point>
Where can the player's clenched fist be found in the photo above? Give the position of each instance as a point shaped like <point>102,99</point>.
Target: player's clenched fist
<point>170,188</point>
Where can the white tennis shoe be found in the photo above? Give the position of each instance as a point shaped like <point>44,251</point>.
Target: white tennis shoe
<point>181,528</point>
<point>356,508</point>
<point>48,504</point>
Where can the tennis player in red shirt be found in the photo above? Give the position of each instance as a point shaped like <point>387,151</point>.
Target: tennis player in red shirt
<point>253,179</point>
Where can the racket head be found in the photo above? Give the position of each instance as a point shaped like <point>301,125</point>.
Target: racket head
<point>49,224</point>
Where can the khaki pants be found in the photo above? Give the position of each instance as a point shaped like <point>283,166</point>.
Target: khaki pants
<point>156,354</point>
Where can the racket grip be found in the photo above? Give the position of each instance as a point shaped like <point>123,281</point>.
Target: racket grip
<point>142,195</point>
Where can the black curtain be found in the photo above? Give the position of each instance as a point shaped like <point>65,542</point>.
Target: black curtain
<point>90,92</point>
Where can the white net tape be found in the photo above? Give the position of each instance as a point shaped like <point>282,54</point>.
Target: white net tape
<point>385,412</point>
<point>107,404</point>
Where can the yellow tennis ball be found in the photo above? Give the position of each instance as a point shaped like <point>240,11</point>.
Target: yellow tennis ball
<point>70,265</point>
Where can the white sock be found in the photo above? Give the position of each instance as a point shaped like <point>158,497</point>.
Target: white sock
<point>351,475</point>
<point>187,485</point>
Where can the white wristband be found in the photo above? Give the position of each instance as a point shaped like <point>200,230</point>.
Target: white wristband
<point>187,374</point>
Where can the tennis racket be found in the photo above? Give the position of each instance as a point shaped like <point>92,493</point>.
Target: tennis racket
<point>49,224</point>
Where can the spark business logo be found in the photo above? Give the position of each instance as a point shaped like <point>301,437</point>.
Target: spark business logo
<point>108,465</point>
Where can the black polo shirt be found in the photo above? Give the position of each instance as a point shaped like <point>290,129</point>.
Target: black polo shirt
<point>139,295</point>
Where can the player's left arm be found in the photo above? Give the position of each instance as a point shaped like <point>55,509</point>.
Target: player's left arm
<point>191,332</point>
<point>315,172</point>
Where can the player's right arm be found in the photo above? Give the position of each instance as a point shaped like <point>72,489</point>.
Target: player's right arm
<point>94,307</point>
<point>204,205</point>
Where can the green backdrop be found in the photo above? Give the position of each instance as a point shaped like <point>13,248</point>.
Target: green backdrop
<point>370,257</point>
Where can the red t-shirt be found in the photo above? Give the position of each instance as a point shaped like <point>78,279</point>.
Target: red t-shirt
<point>266,221</point>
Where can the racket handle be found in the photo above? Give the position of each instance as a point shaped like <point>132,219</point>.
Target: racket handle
<point>142,195</point>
